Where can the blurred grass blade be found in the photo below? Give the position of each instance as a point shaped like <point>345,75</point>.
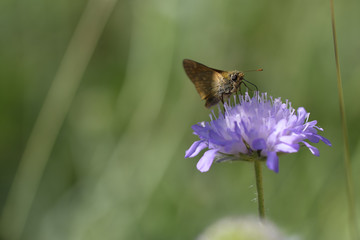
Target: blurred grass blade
<point>51,117</point>
<point>349,178</point>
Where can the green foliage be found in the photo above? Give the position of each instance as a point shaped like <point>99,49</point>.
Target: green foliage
<point>117,167</point>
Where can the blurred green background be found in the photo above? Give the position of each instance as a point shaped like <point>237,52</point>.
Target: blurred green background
<point>105,159</point>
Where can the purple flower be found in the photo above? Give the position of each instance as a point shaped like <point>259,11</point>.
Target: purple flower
<point>257,127</point>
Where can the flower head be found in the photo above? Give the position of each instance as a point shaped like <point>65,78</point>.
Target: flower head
<point>242,228</point>
<point>255,127</point>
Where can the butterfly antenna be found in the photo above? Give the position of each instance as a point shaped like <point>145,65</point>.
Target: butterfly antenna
<point>246,86</point>
<point>250,83</point>
<point>255,70</point>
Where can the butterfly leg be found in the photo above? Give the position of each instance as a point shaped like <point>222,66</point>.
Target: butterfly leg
<point>239,90</point>
<point>222,100</point>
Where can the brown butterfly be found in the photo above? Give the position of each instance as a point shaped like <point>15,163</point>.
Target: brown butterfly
<point>213,85</point>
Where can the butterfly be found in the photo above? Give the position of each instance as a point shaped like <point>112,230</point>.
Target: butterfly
<point>213,85</point>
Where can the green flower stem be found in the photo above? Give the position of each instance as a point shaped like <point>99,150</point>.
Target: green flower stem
<point>259,187</point>
<point>349,179</point>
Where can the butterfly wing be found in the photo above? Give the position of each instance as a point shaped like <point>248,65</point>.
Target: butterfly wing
<point>206,80</point>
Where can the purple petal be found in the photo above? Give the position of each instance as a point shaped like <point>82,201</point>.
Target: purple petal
<point>201,129</point>
<point>273,137</point>
<point>312,123</point>
<point>216,139</point>
<point>292,120</point>
<point>245,128</point>
<point>291,139</point>
<point>302,114</point>
<point>241,147</point>
<point>325,140</point>
<point>310,130</point>
<point>234,147</point>
<point>195,148</point>
<point>288,148</point>
<point>258,144</point>
<point>272,161</point>
<point>312,137</point>
<point>237,130</point>
<point>230,147</point>
<point>312,149</point>
<point>319,128</point>
<point>280,125</point>
<point>206,160</point>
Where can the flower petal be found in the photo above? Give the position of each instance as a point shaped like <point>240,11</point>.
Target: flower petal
<point>201,129</point>
<point>258,144</point>
<point>206,160</point>
<point>291,139</point>
<point>302,114</point>
<point>292,120</point>
<point>312,137</point>
<point>325,140</point>
<point>312,124</point>
<point>215,138</point>
<point>287,148</point>
<point>312,149</point>
<point>272,161</point>
<point>195,148</point>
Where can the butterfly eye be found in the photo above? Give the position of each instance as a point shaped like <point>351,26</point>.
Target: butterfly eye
<point>234,77</point>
